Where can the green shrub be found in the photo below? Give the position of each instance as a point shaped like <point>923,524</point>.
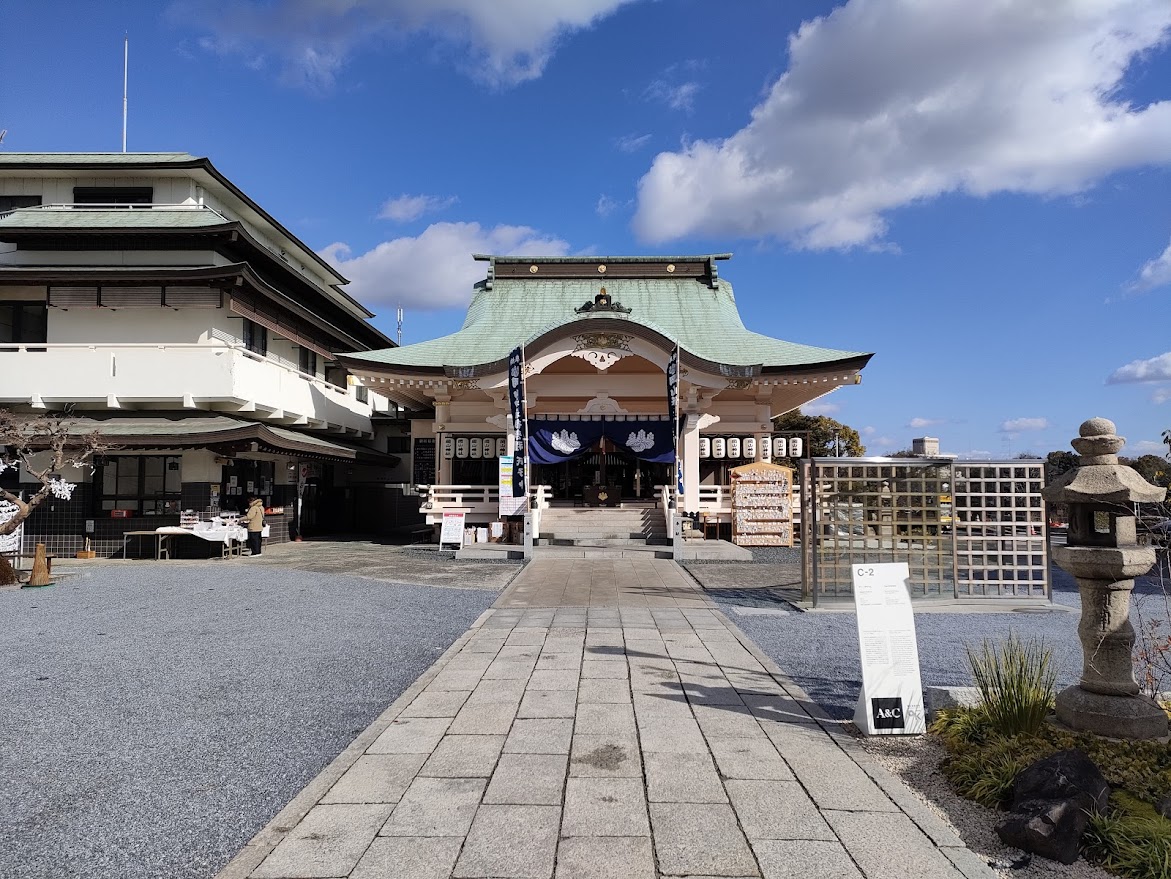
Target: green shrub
<point>985,774</point>
<point>1016,680</point>
<point>1131,840</point>
<point>958,727</point>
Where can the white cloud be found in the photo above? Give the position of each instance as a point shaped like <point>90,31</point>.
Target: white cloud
<point>1017,425</point>
<point>820,408</point>
<point>632,143</point>
<point>410,207</point>
<point>1145,447</point>
<point>606,206</point>
<point>1154,273</point>
<point>1155,369</point>
<point>1161,395</point>
<point>677,96</point>
<point>503,42</point>
<point>925,422</point>
<point>890,102</point>
<point>435,269</point>
<point>869,430</point>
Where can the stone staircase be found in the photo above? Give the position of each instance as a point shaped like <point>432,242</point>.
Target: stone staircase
<point>628,529</point>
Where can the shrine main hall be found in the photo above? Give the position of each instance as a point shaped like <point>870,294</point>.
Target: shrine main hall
<point>598,335</point>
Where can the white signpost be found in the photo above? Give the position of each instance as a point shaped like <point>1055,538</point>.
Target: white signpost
<point>891,701</point>
<point>452,530</point>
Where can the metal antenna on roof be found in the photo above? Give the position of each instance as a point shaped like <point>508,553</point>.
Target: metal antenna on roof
<point>125,80</point>
<point>399,337</point>
<point>3,132</point>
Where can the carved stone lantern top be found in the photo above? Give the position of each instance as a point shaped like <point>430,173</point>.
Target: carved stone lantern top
<point>1099,478</point>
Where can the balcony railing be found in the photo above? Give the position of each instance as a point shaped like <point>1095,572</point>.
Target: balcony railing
<point>217,376</point>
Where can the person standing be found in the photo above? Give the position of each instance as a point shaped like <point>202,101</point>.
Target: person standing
<point>254,521</point>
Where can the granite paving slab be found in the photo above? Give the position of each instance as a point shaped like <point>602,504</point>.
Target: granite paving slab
<point>641,737</point>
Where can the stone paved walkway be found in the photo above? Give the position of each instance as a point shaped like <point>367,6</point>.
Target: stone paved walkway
<point>604,720</point>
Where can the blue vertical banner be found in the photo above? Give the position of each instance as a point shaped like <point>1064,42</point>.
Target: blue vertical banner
<point>516,400</point>
<point>673,413</point>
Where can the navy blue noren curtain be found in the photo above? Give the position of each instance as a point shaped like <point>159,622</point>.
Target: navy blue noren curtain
<point>552,441</point>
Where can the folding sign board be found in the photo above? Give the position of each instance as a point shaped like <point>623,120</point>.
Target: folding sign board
<point>891,701</point>
<point>452,530</point>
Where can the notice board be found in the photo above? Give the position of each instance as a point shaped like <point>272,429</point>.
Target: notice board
<point>509,505</point>
<point>762,505</point>
<point>423,461</point>
<point>891,701</point>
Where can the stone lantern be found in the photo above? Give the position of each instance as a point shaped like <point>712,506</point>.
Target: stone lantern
<point>1102,552</point>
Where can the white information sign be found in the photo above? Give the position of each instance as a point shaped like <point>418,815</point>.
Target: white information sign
<point>452,530</point>
<point>891,701</point>
<point>509,505</point>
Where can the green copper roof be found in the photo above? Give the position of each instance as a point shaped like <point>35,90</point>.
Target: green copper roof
<point>704,321</point>
<point>111,218</point>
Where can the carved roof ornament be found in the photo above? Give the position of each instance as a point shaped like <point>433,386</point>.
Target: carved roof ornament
<point>601,350</point>
<point>602,302</point>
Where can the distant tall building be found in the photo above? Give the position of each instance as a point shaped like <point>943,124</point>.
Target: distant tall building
<point>926,446</point>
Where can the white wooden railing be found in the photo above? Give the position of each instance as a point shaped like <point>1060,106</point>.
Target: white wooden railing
<point>664,493</point>
<point>479,503</point>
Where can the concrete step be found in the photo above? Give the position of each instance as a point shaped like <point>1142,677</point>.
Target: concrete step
<point>602,540</point>
<point>602,552</point>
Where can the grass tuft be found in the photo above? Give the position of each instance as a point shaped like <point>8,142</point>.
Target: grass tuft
<point>1017,682</point>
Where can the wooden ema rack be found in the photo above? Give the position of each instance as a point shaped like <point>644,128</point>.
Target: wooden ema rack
<point>762,505</point>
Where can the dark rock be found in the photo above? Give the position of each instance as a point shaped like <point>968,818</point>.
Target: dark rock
<point>1164,807</point>
<point>1050,828</point>
<point>1066,775</point>
<point>1051,805</point>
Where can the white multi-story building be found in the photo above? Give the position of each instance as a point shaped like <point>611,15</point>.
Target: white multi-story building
<point>149,296</point>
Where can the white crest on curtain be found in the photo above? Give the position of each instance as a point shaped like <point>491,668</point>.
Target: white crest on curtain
<point>640,441</point>
<point>565,442</point>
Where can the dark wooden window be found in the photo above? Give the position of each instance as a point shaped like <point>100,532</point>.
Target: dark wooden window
<point>255,337</point>
<point>113,195</point>
<point>308,361</point>
<point>362,395</point>
<point>12,202</point>
<point>24,323</point>
<point>147,485</point>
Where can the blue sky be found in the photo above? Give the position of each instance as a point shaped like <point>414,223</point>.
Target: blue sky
<point>979,193</point>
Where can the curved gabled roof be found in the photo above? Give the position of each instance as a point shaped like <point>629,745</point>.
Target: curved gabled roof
<point>700,316</point>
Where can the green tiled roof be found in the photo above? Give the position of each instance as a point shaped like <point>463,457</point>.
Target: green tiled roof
<point>111,218</point>
<point>704,321</point>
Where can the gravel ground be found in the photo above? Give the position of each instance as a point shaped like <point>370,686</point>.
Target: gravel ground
<point>820,649</point>
<point>156,717</point>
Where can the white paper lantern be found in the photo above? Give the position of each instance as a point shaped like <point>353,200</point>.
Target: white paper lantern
<point>718,447</point>
<point>705,447</point>
<point>733,447</point>
<point>474,450</point>
<point>461,447</point>
<point>766,448</point>
<point>780,447</point>
<point>501,446</point>
<point>796,447</point>
<point>748,445</point>
<point>448,446</point>
<point>488,449</point>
